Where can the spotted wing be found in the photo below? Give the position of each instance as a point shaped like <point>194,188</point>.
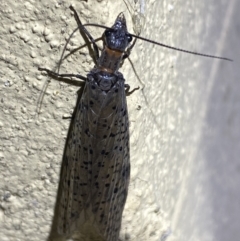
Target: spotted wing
<point>95,176</point>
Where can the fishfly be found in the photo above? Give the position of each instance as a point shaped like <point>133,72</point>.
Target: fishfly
<point>96,162</point>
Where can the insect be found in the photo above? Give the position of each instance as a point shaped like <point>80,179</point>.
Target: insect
<point>96,162</point>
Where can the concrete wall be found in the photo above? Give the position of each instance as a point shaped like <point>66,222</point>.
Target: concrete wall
<point>184,122</point>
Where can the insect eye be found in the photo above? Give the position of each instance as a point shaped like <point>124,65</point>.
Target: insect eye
<point>129,37</point>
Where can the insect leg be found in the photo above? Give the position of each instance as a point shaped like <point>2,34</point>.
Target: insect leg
<point>128,50</point>
<point>82,28</point>
<point>128,88</point>
<point>56,75</point>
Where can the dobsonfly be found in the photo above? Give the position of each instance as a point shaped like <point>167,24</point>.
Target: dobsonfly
<point>96,162</point>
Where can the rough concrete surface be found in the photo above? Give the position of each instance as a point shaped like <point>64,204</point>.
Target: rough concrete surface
<point>185,135</point>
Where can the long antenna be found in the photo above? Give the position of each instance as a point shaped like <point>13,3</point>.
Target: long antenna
<point>181,50</point>
<point>163,45</point>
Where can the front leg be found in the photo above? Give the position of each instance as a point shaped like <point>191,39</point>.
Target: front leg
<point>129,49</point>
<point>58,76</point>
<point>85,31</point>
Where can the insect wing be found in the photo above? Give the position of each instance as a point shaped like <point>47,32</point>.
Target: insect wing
<point>96,171</point>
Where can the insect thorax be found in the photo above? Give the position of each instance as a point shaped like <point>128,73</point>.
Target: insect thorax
<point>110,60</point>
<point>105,80</point>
